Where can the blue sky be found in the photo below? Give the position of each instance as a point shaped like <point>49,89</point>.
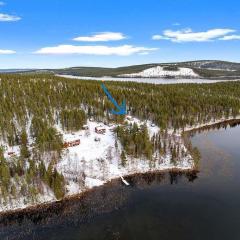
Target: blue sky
<point>50,34</point>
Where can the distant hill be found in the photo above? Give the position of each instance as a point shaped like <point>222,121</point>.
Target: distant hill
<point>15,70</point>
<point>191,69</point>
<point>204,68</point>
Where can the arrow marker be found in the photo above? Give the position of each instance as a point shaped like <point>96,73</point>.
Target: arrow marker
<point>121,109</point>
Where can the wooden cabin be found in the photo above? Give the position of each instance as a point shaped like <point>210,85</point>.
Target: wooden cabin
<point>71,143</point>
<point>100,130</point>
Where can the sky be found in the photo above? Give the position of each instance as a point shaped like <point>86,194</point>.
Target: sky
<point>111,33</point>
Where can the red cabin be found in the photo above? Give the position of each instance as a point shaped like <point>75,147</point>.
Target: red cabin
<point>71,143</point>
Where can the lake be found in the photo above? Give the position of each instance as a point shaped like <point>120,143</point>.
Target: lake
<point>147,80</point>
<point>156,206</point>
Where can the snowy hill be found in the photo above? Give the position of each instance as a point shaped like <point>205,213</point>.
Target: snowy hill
<point>191,69</point>
<point>159,71</point>
<point>213,65</point>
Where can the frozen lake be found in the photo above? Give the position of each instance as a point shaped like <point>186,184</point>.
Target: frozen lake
<point>147,80</point>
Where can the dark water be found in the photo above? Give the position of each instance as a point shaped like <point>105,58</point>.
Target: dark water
<point>160,206</point>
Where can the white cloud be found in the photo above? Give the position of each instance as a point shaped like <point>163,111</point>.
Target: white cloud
<point>101,37</point>
<point>124,50</point>
<point>230,37</point>
<point>187,35</point>
<point>159,37</point>
<point>8,18</point>
<point>6,52</point>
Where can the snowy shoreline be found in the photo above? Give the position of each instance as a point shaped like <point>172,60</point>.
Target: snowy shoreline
<point>117,174</point>
<point>211,123</point>
<point>78,196</point>
<point>150,80</point>
<point>92,158</point>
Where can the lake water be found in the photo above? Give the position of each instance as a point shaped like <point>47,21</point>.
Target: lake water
<point>147,80</point>
<point>157,206</point>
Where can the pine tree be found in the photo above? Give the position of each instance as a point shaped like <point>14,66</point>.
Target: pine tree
<point>24,149</point>
<point>123,159</point>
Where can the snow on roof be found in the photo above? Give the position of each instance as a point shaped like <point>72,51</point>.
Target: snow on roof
<point>100,127</point>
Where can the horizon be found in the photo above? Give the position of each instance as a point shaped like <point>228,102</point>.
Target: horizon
<point>150,63</point>
<point>64,34</point>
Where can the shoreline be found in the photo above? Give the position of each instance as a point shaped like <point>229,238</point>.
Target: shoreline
<point>150,80</point>
<point>204,127</point>
<point>80,196</point>
<point>57,203</point>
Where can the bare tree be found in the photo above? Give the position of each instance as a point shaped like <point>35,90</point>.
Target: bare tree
<point>109,154</point>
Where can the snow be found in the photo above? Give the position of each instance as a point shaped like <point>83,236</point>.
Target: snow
<point>88,149</point>
<point>211,122</point>
<point>11,149</point>
<point>93,182</point>
<point>24,202</point>
<point>100,161</point>
<point>160,72</point>
<point>93,163</point>
<point>73,187</point>
<point>153,80</point>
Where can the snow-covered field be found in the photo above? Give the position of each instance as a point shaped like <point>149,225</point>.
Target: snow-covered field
<point>160,72</point>
<point>100,160</point>
<point>96,161</point>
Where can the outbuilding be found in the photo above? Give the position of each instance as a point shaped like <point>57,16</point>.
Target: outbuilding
<point>100,130</point>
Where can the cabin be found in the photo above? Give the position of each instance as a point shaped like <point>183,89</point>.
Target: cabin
<point>85,127</point>
<point>71,143</point>
<point>100,130</point>
<point>11,153</point>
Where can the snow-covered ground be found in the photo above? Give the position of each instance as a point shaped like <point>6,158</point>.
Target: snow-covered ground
<point>96,161</point>
<point>160,72</point>
<point>24,202</point>
<point>100,160</point>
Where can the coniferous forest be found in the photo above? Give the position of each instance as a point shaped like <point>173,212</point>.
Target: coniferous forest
<point>32,105</point>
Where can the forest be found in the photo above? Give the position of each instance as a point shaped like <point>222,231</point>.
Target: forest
<point>49,100</point>
<point>32,105</point>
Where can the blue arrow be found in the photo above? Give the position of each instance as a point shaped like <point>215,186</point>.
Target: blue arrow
<point>121,109</point>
